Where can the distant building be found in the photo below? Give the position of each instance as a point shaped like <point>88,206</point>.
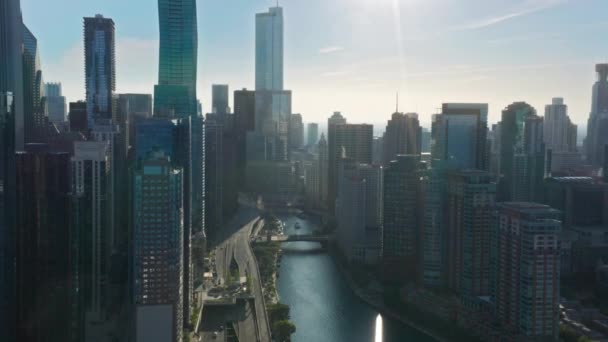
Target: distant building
<point>323,171</point>
<point>512,133</point>
<point>471,198</point>
<point>78,117</point>
<point>460,135</point>
<point>244,122</point>
<point>100,67</point>
<point>597,125</point>
<point>378,151</point>
<point>359,211</point>
<point>312,132</point>
<point>158,259</point>
<point>559,133</point>
<point>403,135</point>
<point>130,108</point>
<point>351,140</point>
<point>529,163</point>
<point>219,99</point>
<point>175,93</point>
<point>214,174</point>
<point>402,217</point>
<point>55,103</point>
<point>269,50</point>
<point>296,131</point>
<point>526,259</point>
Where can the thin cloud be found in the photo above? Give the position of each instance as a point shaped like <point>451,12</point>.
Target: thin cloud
<point>529,8</point>
<point>330,49</point>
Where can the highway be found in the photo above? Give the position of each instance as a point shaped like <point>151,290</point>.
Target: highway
<point>234,244</point>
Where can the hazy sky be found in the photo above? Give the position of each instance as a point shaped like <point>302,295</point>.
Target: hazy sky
<point>354,55</point>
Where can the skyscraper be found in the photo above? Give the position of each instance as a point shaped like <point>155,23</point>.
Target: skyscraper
<point>129,109</point>
<point>214,174</point>
<point>529,163</point>
<point>175,93</point>
<point>219,95</point>
<point>460,133</point>
<point>158,243</point>
<point>323,171</point>
<point>402,217</point>
<point>526,272</point>
<point>471,198</point>
<point>402,136</point>
<point>560,136</point>
<point>78,117</point>
<point>312,133</point>
<point>597,125</point>
<point>44,249</point>
<point>244,122</point>
<point>269,50</point>
<point>512,135</point>
<point>359,211</point>
<point>296,131</point>
<point>11,140</point>
<point>353,141</point>
<point>55,103</point>
<point>100,67</point>
<point>33,88</point>
<point>90,185</point>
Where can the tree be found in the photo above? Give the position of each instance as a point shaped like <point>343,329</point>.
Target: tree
<point>278,312</point>
<point>282,330</point>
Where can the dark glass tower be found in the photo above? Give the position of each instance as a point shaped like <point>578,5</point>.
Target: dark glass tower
<point>175,93</point>
<point>33,100</point>
<point>100,67</point>
<point>11,140</point>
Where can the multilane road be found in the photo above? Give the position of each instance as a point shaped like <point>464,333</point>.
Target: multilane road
<point>234,244</point>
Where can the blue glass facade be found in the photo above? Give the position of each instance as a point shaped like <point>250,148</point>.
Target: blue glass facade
<point>175,94</point>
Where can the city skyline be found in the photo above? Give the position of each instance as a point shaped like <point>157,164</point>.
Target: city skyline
<point>343,54</point>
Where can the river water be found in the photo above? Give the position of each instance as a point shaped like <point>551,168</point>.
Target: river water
<point>323,307</point>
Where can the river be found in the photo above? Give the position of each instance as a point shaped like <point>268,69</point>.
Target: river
<point>323,307</point>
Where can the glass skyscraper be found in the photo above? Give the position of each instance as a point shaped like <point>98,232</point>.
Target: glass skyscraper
<point>269,50</point>
<point>175,93</point>
<point>100,67</point>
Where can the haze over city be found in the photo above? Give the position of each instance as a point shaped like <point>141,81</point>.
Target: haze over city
<point>431,52</point>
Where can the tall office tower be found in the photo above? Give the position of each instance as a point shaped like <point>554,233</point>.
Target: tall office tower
<point>44,250</point>
<point>175,93</point>
<point>100,67</point>
<point>55,103</point>
<point>214,175</point>
<point>12,140</point>
<point>402,218</point>
<point>78,117</point>
<point>494,141</point>
<point>90,175</point>
<point>272,121</point>
<point>359,211</point>
<point>244,122</point>
<point>312,134</point>
<point>312,187</point>
<point>597,125</point>
<point>460,134</point>
<point>471,198</point>
<point>219,94</point>
<point>434,185</point>
<point>269,50</point>
<point>352,141</point>
<point>184,141</point>
<point>296,131</point>
<point>129,109</point>
<point>512,134</point>
<point>332,168</point>
<point>560,136</point>
<point>425,141</point>
<point>378,151</point>
<point>526,270</point>
<point>323,170</point>
<point>158,242</point>
<point>402,136</point>
<point>33,89</point>
<point>529,163</point>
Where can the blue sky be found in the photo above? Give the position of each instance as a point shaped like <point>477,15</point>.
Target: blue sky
<point>354,55</point>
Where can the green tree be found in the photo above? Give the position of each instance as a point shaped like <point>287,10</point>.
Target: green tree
<point>282,330</point>
<point>278,312</point>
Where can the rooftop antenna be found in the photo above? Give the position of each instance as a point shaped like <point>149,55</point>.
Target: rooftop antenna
<point>397,104</point>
